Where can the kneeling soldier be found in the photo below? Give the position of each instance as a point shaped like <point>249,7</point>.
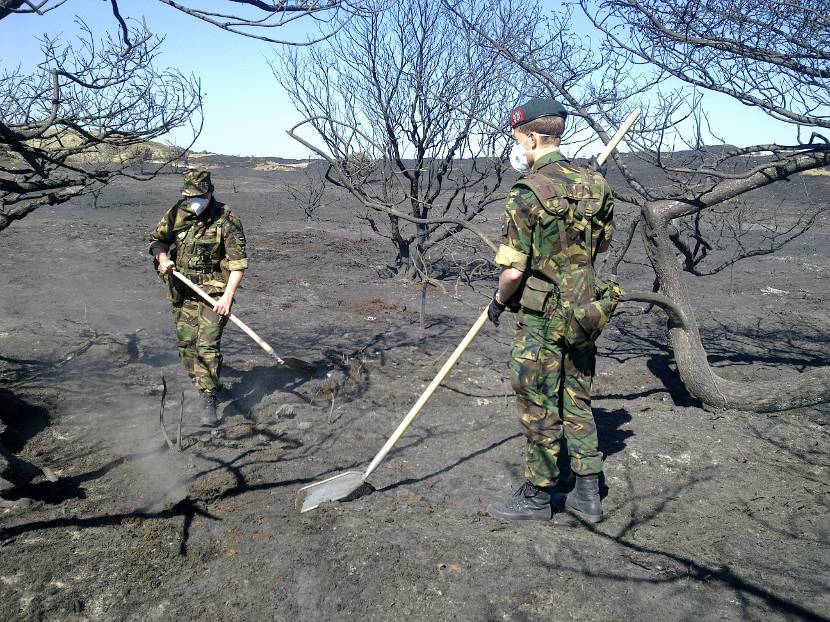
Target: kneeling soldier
<point>201,238</point>
<point>558,216</point>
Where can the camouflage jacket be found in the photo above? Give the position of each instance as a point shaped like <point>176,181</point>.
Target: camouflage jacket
<point>206,248</point>
<point>548,216</point>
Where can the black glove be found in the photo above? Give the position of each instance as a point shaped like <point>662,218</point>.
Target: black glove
<point>595,166</point>
<point>495,309</point>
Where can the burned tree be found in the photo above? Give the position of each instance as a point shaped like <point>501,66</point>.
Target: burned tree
<point>103,94</point>
<point>87,98</point>
<point>398,100</point>
<point>309,192</point>
<point>660,57</point>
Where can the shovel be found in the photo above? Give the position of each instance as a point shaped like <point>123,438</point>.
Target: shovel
<point>342,485</point>
<point>296,365</point>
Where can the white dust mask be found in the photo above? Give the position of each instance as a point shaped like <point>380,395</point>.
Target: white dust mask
<point>518,159</point>
<point>518,155</point>
<point>197,205</point>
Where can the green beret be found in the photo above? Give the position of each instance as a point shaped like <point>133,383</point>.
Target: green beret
<point>196,183</point>
<point>535,108</point>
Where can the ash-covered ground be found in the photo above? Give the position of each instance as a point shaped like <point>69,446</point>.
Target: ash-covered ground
<point>710,515</point>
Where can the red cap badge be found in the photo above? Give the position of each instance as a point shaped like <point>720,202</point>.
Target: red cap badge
<point>517,117</point>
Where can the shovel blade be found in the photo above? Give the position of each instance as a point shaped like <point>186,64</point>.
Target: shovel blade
<point>299,366</point>
<point>331,489</point>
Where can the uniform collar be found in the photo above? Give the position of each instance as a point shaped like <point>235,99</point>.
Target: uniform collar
<point>211,212</point>
<point>552,156</point>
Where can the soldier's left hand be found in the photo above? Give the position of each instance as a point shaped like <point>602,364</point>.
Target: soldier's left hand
<point>223,305</point>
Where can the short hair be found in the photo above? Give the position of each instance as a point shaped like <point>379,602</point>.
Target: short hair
<point>549,126</point>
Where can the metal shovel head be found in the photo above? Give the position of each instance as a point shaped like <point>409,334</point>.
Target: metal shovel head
<point>331,489</point>
<point>299,366</point>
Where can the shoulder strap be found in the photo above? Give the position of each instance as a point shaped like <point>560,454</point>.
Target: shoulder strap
<point>546,189</point>
<point>224,212</point>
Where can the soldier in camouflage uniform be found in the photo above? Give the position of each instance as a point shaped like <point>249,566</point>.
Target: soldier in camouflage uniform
<point>203,239</point>
<point>558,216</point>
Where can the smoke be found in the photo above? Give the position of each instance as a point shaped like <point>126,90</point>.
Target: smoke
<point>151,476</point>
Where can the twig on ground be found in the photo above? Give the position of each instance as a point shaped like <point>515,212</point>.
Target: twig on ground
<point>161,414</point>
<point>331,410</point>
<point>181,418</point>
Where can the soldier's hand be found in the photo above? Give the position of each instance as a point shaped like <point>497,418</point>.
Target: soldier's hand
<point>166,266</point>
<point>223,305</point>
<point>495,309</point>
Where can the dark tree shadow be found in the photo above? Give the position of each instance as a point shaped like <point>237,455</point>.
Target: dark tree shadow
<point>663,369</point>
<point>70,487</point>
<point>478,452</point>
<point>666,567</point>
<point>638,342</point>
<point>186,508</point>
<point>789,346</point>
<point>23,421</point>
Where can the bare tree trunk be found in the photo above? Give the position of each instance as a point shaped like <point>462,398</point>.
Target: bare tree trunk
<point>782,393</point>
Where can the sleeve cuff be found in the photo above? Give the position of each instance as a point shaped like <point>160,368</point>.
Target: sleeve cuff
<point>238,264</point>
<point>511,258</point>
<point>160,246</point>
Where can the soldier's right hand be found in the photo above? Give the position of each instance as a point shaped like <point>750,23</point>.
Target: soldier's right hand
<point>166,267</point>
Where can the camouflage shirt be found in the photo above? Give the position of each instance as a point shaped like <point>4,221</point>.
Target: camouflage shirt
<point>207,247</point>
<point>537,228</point>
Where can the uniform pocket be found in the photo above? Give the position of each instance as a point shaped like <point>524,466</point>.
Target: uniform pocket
<point>589,319</point>
<point>537,294</point>
<point>524,363</point>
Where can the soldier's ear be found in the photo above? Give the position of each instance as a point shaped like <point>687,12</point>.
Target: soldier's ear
<point>534,141</point>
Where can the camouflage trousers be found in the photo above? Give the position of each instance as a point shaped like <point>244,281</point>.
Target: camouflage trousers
<point>552,382</point>
<point>199,331</point>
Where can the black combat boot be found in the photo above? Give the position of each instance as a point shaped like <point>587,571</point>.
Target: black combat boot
<point>583,501</point>
<point>207,403</point>
<point>527,503</point>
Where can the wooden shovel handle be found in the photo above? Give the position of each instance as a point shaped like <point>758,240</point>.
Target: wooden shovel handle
<point>260,341</point>
<point>413,412</point>
<point>612,144</point>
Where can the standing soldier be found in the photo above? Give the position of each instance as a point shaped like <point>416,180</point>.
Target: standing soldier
<point>558,216</point>
<point>201,238</point>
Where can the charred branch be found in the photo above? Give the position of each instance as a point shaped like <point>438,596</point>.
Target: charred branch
<point>772,57</point>
<point>70,128</point>
<point>383,100</point>
<point>263,17</point>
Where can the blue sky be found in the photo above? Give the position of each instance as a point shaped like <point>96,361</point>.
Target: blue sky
<point>246,111</point>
